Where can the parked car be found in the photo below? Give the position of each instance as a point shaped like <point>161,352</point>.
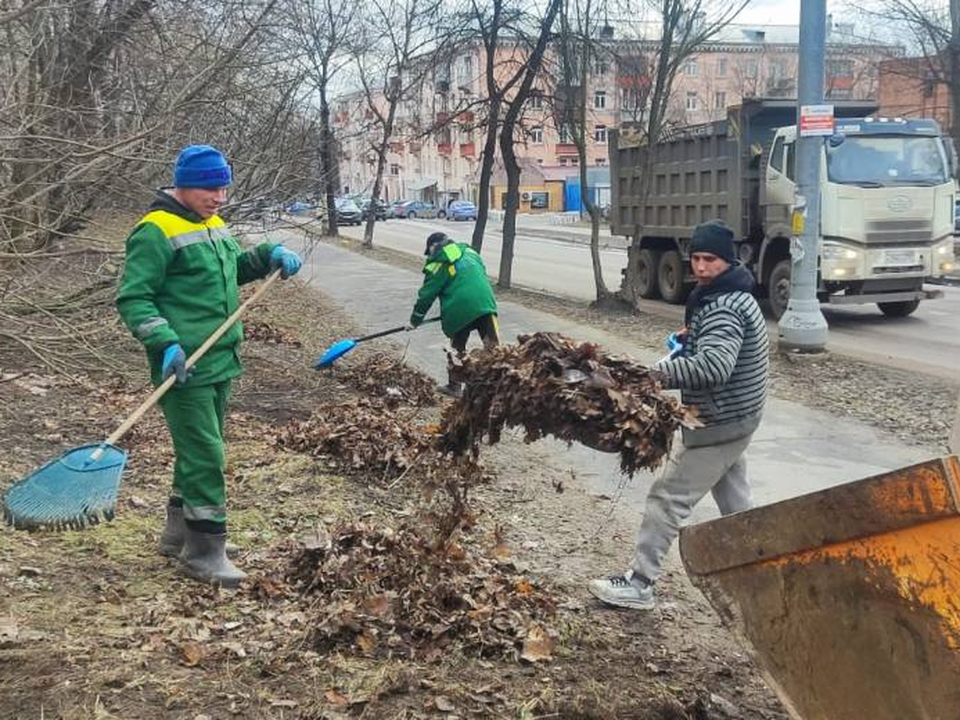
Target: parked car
<point>348,213</point>
<point>298,207</point>
<point>384,211</point>
<point>418,209</point>
<point>462,210</point>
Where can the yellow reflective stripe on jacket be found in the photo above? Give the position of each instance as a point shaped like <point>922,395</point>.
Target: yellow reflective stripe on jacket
<point>180,232</point>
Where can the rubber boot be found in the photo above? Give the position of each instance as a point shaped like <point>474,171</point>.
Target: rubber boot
<point>171,541</point>
<point>204,558</point>
<point>452,389</point>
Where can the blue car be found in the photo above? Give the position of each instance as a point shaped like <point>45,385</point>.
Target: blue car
<point>462,210</point>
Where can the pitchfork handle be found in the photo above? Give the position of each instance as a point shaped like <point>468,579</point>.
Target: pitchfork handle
<point>191,361</point>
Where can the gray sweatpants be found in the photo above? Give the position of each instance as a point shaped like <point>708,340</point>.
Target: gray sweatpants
<point>689,475</point>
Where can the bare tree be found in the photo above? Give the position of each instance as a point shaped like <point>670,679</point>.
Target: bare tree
<point>325,31</point>
<point>933,30</point>
<point>396,56</point>
<point>580,47</point>
<point>508,136</point>
<point>683,28</point>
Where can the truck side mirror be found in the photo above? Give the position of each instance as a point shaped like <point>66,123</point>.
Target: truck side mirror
<point>836,140</point>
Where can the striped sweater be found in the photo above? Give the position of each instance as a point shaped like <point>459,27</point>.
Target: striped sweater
<point>723,368</point>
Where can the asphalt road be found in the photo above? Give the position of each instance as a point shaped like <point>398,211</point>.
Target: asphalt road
<point>928,341</point>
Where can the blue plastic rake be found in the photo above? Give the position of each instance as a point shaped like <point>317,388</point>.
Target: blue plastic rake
<point>342,347</point>
<point>80,487</point>
<point>49,498</point>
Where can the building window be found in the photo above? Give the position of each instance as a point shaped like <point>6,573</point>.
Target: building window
<point>691,101</point>
<point>720,100</point>
<point>536,135</point>
<point>564,135</point>
<point>750,69</point>
<point>630,98</point>
<point>601,161</point>
<point>721,67</point>
<point>563,162</point>
<point>394,169</point>
<point>539,200</point>
<point>691,67</point>
<point>601,67</point>
<point>599,99</point>
<point>600,134</point>
<point>778,70</point>
<point>840,68</point>
<point>536,101</point>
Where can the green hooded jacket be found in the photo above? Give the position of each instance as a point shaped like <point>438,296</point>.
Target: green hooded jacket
<point>181,281</point>
<point>456,274</point>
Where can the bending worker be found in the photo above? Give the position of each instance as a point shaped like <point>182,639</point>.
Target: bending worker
<point>455,273</point>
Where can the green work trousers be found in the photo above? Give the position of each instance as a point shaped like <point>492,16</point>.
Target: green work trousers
<point>195,418</point>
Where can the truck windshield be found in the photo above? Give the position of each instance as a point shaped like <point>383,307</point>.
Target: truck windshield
<point>887,160</point>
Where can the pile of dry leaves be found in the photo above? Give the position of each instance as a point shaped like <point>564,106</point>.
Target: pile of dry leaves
<point>385,376</point>
<point>395,592</point>
<point>551,385</point>
<point>366,436</point>
<point>266,333</point>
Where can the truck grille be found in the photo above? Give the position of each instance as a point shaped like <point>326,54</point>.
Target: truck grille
<point>899,231</point>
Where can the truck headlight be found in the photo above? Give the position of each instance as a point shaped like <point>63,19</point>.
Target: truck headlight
<point>833,251</point>
<point>947,266</point>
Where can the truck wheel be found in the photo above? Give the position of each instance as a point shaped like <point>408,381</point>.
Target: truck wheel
<point>778,288</point>
<point>670,277</point>
<point>899,309</point>
<point>645,276</point>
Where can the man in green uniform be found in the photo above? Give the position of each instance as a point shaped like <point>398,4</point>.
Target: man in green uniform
<point>455,273</point>
<point>180,283</point>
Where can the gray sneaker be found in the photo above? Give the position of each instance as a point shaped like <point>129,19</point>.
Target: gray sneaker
<point>624,592</point>
<point>451,390</point>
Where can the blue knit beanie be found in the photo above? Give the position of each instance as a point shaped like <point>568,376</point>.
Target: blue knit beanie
<point>713,237</point>
<point>201,166</point>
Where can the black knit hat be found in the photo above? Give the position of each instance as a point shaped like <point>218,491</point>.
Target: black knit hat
<point>714,237</point>
<point>437,238</point>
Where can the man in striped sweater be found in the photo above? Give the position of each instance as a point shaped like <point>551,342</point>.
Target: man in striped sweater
<point>722,369</point>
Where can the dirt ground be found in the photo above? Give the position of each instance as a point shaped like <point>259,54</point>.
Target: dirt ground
<point>95,624</point>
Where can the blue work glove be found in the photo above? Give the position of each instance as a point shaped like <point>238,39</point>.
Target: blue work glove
<point>675,343</point>
<point>175,363</point>
<point>416,320</point>
<point>287,260</point>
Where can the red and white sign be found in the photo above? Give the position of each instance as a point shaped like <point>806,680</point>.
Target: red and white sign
<point>816,120</point>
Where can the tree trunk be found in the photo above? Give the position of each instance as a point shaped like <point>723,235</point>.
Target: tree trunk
<point>509,233</point>
<point>381,165</point>
<point>328,158</point>
<point>486,173</point>
<point>953,51</point>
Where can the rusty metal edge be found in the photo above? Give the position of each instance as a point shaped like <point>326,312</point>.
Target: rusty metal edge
<point>748,537</point>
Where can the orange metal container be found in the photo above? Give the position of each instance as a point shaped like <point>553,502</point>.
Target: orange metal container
<point>848,598</point>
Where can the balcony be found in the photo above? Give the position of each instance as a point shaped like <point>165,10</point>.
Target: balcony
<point>468,150</point>
<point>442,117</point>
<point>414,147</point>
<point>466,117</point>
<point>566,149</point>
<point>444,148</point>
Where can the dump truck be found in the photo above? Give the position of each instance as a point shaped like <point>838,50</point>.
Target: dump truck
<point>887,203</point>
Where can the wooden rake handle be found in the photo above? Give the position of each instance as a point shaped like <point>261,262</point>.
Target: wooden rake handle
<point>191,361</point>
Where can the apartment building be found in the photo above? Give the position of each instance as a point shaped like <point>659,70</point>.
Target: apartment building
<point>914,87</point>
<point>436,150</point>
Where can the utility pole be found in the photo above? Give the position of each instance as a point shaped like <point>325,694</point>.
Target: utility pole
<point>803,327</point>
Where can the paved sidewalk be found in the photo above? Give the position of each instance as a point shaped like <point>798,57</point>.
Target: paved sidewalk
<point>797,450</point>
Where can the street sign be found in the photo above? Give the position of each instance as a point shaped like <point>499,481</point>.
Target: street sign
<point>816,120</point>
